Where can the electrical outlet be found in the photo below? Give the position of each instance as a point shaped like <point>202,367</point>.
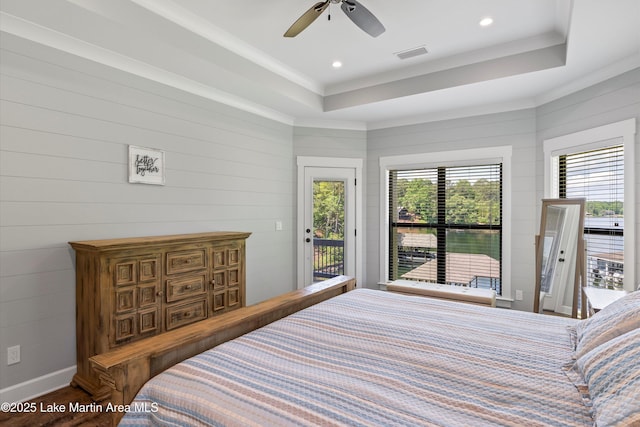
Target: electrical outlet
<point>278,225</point>
<point>13,355</point>
<point>519,295</point>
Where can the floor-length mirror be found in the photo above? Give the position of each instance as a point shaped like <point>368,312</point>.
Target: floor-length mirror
<point>560,258</point>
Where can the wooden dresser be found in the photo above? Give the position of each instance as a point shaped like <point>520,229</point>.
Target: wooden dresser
<point>132,288</point>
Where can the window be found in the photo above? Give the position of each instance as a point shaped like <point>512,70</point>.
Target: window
<point>446,225</point>
<point>595,164</point>
<point>598,176</point>
<point>448,218</point>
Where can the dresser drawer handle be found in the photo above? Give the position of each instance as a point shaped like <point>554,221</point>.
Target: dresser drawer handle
<point>187,287</point>
<point>187,314</point>
<point>159,293</point>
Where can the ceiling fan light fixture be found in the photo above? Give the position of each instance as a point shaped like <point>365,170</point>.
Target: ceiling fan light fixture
<point>354,10</point>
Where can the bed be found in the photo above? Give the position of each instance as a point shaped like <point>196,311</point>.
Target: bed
<point>369,357</point>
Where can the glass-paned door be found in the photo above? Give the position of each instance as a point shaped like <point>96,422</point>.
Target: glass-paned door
<point>329,223</point>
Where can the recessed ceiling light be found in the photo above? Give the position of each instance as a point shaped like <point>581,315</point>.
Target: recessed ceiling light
<point>485,22</point>
<point>336,64</point>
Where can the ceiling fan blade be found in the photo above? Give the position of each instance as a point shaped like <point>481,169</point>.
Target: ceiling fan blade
<point>361,16</point>
<point>307,18</point>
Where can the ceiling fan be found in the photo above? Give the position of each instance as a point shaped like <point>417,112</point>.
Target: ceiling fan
<point>359,14</point>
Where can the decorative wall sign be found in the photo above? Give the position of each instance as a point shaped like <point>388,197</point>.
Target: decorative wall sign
<point>146,165</point>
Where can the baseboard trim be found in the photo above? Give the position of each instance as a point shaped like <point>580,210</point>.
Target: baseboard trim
<point>38,386</point>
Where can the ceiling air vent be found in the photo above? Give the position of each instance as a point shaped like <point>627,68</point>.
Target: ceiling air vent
<point>410,53</point>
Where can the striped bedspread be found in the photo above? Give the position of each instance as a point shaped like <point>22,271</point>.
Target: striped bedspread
<point>375,358</point>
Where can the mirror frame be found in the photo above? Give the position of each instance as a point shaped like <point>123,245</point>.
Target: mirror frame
<point>580,264</point>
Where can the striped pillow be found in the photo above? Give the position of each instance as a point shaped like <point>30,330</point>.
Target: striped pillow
<point>615,319</point>
<point>612,374</point>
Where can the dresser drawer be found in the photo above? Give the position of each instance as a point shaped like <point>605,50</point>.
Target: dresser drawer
<point>135,325</point>
<point>186,287</point>
<point>228,299</point>
<point>125,299</point>
<point>183,261</point>
<point>219,279</point>
<point>183,314</point>
<point>124,328</point>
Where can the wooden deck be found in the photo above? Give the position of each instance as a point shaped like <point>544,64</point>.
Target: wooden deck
<point>461,268</point>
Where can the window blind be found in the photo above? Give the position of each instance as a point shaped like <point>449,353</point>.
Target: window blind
<point>446,225</point>
<point>598,175</point>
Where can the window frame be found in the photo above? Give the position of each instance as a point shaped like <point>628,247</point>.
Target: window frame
<point>469,157</point>
<point>618,133</point>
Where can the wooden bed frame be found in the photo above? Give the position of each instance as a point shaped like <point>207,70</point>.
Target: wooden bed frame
<point>125,370</point>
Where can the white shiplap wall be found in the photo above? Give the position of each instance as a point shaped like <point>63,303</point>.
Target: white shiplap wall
<point>65,127</point>
<point>322,142</point>
<point>611,101</point>
<point>515,129</point>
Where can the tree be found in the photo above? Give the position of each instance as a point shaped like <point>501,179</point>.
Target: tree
<point>467,203</point>
<point>419,197</point>
<point>328,209</point>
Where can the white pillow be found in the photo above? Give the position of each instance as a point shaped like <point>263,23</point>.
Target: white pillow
<point>617,318</point>
<point>612,374</point>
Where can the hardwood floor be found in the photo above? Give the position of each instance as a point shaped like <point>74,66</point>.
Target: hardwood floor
<point>77,405</point>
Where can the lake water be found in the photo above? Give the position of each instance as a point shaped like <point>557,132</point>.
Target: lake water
<point>488,242</point>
